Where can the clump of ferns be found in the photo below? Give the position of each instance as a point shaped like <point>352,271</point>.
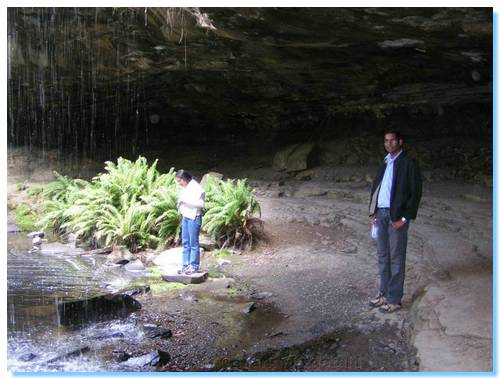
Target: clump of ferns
<point>131,204</point>
<point>59,195</point>
<point>231,216</point>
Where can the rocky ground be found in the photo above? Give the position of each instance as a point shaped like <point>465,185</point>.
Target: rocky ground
<point>310,279</point>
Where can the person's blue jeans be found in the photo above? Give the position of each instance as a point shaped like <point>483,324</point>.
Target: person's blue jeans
<point>391,252</point>
<point>191,242</point>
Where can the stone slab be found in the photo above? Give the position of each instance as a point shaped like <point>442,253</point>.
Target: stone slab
<point>467,310</point>
<point>196,278</point>
<point>169,260</point>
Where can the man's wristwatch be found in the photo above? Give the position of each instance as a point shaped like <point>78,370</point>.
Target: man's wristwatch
<point>403,219</point>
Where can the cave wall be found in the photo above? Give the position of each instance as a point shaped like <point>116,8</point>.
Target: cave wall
<point>100,82</point>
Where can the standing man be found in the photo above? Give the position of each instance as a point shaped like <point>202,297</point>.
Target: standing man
<point>394,201</point>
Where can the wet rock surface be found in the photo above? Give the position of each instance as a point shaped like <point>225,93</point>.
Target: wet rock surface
<point>99,308</point>
<point>195,278</point>
<point>155,358</point>
<point>155,331</point>
<point>371,348</point>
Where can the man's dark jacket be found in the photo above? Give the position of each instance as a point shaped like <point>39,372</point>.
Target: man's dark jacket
<point>406,188</point>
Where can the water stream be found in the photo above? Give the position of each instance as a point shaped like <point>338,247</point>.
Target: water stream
<point>37,283</point>
<point>41,338</point>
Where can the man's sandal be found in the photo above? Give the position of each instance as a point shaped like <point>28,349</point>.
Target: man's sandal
<point>389,308</point>
<point>378,301</point>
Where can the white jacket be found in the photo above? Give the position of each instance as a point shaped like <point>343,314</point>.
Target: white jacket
<point>191,200</point>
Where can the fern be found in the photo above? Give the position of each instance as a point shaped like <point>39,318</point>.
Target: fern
<point>231,206</point>
<point>61,187</point>
<point>162,204</point>
<point>129,225</point>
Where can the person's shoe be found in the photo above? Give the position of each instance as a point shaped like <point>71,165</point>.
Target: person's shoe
<point>390,308</point>
<point>191,270</point>
<point>377,301</point>
<point>183,271</point>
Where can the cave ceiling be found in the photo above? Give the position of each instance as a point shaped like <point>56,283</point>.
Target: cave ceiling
<point>246,67</point>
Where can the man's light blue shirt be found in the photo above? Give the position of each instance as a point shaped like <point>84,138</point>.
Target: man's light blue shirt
<point>384,195</point>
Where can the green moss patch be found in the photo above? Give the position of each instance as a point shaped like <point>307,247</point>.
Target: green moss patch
<point>215,274</point>
<point>233,291</point>
<point>158,285</point>
<point>222,253</point>
<point>163,286</point>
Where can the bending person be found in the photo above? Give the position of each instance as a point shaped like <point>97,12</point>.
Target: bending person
<point>190,204</point>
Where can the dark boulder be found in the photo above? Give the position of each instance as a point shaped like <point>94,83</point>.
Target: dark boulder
<point>99,308</point>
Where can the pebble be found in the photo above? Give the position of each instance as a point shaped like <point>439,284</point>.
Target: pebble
<point>209,367</point>
<point>249,307</point>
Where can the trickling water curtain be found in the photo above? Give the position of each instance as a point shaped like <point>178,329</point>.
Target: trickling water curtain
<point>79,79</point>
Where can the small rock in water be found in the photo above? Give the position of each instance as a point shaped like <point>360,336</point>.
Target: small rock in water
<point>35,249</point>
<point>155,358</point>
<point>104,250</point>
<point>120,355</point>
<point>27,357</point>
<point>36,234</point>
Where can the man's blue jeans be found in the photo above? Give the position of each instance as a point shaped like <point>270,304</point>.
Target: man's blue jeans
<point>391,252</point>
<point>191,242</point>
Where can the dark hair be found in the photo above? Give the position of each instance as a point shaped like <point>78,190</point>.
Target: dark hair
<point>183,175</point>
<point>396,132</point>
